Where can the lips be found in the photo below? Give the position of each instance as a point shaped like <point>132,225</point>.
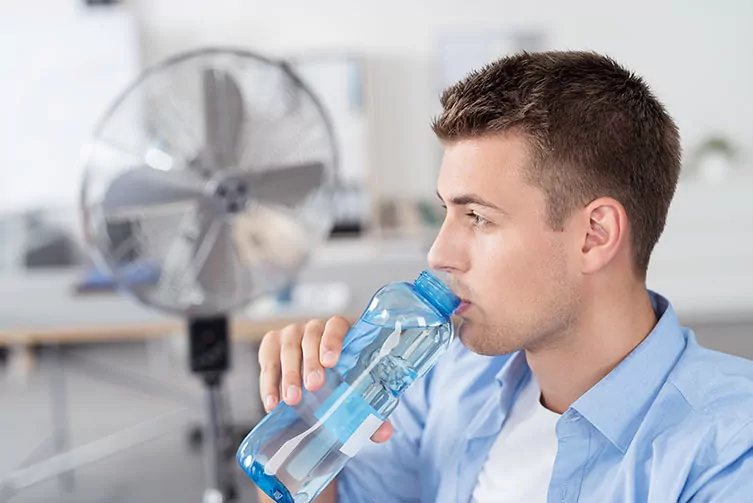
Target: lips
<point>459,291</point>
<point>464,305</point>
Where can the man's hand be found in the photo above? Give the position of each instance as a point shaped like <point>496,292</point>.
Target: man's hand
<point>313,347</point>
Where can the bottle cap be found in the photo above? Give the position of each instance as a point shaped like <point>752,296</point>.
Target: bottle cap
<point>436,292</point>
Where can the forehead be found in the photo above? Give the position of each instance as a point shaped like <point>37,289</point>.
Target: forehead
<point>492,166</point>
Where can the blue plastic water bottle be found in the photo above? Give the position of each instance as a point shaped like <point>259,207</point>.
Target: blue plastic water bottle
<point>294,452</point>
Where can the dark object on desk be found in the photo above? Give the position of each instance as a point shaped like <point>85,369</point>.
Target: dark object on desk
<point>58,252</point>
<point>49,243</point>
<point>347,228</point>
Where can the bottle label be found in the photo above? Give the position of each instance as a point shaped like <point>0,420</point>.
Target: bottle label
<point>362,435</point>
<point>354,421</point>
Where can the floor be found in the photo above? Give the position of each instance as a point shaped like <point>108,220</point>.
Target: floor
<point>114,387</point>
<point>110,389</point>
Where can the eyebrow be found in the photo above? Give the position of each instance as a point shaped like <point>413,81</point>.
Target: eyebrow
<point>465,199</point>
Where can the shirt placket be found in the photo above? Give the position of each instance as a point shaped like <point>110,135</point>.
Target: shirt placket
<point>479,438</point>
<point>573,451</point>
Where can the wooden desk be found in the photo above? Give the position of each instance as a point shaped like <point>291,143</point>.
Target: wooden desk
<point>42,309</point>
<point>241,329</point>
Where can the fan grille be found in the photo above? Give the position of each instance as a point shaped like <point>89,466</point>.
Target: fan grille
<point>215,171</point>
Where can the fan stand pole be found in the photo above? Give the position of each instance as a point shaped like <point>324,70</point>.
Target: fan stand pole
<point>213,449</point>
<point>210,359</point>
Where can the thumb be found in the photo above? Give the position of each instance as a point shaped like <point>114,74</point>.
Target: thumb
<point>384,432</point>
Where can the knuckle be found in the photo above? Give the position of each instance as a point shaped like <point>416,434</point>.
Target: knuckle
<point>339,320</point>
<point>269,379</point>
<point>290,350</point>
<point>314,324</point>
<point>271,336</point>
<point>337,325</point>
<point>291,377</point>
<point>311,361</point>
<point>267,387</point>
<point>270,371</point>
<point>291,332</point>
<point>311,339</point>
<point>269,340</point>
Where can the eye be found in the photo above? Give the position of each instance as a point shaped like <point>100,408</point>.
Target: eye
<point>477,220</point>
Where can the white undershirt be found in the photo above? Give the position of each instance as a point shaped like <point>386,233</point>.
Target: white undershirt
<point>519,465</point>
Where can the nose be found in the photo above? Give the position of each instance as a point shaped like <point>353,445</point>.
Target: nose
<point>448,252</point>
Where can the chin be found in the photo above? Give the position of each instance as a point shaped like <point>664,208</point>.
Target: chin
<point>483,342</point>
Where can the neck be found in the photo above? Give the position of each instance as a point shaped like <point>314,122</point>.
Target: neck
<point>610,328</point>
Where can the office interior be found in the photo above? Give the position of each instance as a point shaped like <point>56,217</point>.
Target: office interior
<point>99,402</point>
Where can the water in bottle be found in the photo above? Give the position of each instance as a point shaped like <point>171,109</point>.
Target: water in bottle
<point>295,451</point>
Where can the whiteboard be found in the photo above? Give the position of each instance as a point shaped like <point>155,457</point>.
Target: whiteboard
<point>59,75</point>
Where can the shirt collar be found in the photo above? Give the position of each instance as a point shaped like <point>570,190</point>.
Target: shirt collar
<point>514,370</point>
<point>617,404</point>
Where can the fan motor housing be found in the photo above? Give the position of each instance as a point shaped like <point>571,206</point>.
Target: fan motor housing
<point>209,349</point>
<point>231,192</point>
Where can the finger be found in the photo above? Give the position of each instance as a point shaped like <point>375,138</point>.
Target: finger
<point>332,340</point>
<point>269,363</point>
<point>384,432</point>
<point>313,372</point>
<point>290,356</point>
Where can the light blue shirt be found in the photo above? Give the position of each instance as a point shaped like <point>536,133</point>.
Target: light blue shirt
<point>672,422</point>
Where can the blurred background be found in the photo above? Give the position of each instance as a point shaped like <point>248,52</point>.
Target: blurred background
<point>85,368</point>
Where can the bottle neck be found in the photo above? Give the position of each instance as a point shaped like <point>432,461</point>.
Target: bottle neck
<point>436,293</point>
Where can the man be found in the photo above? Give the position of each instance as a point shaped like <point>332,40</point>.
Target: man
<point>571,381</point>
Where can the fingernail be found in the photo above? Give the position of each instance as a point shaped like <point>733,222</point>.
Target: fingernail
<point>329,358</point>
<point>313,378</point>
<point>292,392</point>
<point>379,436</point>
<point>269,402</point>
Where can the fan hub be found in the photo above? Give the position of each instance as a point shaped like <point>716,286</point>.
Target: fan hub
<point>230,190</point>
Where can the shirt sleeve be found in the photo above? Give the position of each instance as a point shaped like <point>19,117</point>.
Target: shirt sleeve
<point>389,471</point>
<point>731,481</point>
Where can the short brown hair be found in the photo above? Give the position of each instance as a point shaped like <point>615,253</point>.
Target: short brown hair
<point>595,129</point>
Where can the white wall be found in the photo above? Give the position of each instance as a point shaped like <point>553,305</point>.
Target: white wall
<point>694,54</point>
<point>62,68</point>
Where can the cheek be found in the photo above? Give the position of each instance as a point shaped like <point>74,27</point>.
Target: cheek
<point>518,270</point>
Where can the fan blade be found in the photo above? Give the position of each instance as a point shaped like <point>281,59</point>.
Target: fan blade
<point>286,186</point>
<point>224,118</point>
<point>201,263</point>
<point>141,189</point>
<point>218,272</point>
<point>177,276</point>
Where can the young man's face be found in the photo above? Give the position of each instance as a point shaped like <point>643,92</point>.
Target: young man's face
<point>516,273</point>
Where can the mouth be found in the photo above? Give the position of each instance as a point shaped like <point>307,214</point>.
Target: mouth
<point>464,306</point>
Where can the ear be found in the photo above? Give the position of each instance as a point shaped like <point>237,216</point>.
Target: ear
<point>606,233</point>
